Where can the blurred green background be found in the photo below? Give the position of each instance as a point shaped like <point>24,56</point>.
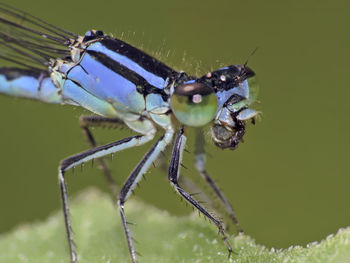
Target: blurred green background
<point>289,182</point>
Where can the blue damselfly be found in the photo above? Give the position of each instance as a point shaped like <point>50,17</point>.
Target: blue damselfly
<point>124,86</point>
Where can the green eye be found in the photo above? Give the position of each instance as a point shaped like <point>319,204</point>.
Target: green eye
<point>194,104</point>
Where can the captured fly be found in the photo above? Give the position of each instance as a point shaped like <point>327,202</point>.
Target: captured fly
<point>122,85</point>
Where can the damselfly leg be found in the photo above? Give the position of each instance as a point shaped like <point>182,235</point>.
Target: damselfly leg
<point>174,172</point>
<point>86,122</point>
<point>86,156</point>
<point>200,157</point>
<point>134,178</point>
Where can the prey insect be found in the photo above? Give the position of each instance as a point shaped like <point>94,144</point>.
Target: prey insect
<point>123,86</point>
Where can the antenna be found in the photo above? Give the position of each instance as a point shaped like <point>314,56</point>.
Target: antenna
<point>249,57</point>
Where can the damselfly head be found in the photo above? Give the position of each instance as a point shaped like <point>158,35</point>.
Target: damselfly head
<point>236,89</point>
<point>220,97</point>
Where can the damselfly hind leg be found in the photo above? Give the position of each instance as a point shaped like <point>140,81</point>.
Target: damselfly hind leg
<point>200,157</point>
<point>174,171</point>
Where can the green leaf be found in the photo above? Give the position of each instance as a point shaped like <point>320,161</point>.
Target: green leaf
<point>161,238</point>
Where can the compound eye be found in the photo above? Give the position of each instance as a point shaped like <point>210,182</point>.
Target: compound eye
<point>194,104</point>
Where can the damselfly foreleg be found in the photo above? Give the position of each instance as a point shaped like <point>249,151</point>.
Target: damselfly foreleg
<point>187,184</point>
<point>86,156</point>
<point>200,158</point>
<point>86,122</point>
<point>134,178</point>
<point>174,172</point>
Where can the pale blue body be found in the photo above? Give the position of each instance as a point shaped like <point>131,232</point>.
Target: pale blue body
<point>105,92</point>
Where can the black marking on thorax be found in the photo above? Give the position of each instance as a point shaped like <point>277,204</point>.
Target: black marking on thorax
<point>143,86</point>
<point>146,61</point>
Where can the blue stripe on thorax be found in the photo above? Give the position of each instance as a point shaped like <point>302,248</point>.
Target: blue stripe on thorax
<point>151,78</point>
<point>105,84</point>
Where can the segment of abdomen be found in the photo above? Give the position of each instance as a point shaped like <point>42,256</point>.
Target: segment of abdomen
<point>27,83</point>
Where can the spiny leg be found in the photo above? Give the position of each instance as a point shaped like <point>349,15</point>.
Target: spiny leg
<point>200,157</point>
<point>97,121</point>
<point>186,182</point>
<point>83,157</point>
<point>174,171</point>
<point>191,186</point>
<point>132,181</point>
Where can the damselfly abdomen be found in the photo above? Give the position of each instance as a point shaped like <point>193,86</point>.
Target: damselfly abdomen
<point>122,85</point>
